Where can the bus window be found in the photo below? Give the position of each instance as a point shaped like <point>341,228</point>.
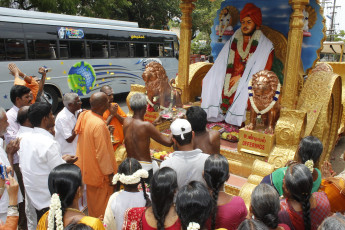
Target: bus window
<point>41,49</point>
<point>2,49</point>
<point>176,48</point>
<point>138,50</point>
<point>15,49</point>
<point>77,49</point>
<point>123,49</point>
<point>155,50</point>
<point>98,49</point>
<point>113,49</point>
<point>168,49</point>
<point>63,49</point>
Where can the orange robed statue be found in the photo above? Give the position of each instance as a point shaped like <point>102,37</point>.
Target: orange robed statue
<point>225,86</point>
<point>95,153</point>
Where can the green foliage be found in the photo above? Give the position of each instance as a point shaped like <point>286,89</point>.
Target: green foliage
<point>340,36</point>
<point>203,15</point>
<point>148,13</point>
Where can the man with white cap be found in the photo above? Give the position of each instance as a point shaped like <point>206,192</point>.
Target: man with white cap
<point>186,161</point>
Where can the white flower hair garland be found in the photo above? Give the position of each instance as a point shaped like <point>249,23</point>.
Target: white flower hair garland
<point>55,211</point>
<point>310,165</point>
<point>130,179</point>
<point>193,226</point>
<point>268,108</point>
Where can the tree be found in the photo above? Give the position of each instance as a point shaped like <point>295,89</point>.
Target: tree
<point>148,13</point>
<point>340,36</point>
<point>203,17</point>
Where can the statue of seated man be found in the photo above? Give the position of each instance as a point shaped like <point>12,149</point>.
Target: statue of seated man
<point>225,86</point>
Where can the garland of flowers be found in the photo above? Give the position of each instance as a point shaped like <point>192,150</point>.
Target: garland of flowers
<point>130,179</point>
<point>55,211</point>
<point>238,39</point>
<point>268,108</point>
<point>193,226</point>
<point>310,165</point>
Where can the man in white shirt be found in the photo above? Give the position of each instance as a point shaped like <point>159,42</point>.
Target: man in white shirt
<point>39,153</point>
<point>20,96</point>
<point>186,161</point>
<point>4,201</point>
<point>65,122</point>
<point>27,129</point>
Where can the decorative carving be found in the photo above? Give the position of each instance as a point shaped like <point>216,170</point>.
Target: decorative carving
<point>322,100</point>
<point>260,169</point>
<point>289,130</point>
<point>293,59</point>
<point>264,93</point>
<point>187,7</point>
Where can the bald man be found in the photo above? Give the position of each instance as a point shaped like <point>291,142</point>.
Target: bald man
<point>114,116</point>
<point>95,153</point>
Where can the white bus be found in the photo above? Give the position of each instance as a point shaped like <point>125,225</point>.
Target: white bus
<point>83,53</point>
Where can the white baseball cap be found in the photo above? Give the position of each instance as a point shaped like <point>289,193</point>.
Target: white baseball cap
<point>180,127</point>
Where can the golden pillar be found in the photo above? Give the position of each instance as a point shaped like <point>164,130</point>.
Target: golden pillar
<point>293,57</point>
<point>187,7</point>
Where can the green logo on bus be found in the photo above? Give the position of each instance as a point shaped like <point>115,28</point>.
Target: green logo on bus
<point>81,78</point>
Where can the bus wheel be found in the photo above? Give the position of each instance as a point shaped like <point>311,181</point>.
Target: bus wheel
<point>52,97</point>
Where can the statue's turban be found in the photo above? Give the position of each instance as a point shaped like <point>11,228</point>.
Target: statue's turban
<point>252,11</point>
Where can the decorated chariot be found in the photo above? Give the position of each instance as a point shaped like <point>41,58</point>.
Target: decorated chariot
<point>303,102</point>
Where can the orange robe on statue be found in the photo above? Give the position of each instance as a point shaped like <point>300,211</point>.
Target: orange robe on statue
<point>238,69</point>
<point>118,129</point>
<point>96,160</point>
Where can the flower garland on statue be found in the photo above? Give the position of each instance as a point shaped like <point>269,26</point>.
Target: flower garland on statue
<point>238,43</point>
<point>268,108</point>
<point>193,226</point>
<point>130,179</point>
<point>55,211</point>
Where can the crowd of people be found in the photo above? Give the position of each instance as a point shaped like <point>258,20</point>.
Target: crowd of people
<point>65,164</point>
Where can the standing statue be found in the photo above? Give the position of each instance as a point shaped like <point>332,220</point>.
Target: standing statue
<point>225,86</point>
<point>264,91</point>
<point>160,92</point>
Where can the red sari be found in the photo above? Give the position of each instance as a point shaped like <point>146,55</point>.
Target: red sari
<point>134,219</point>
<point>289,216</point>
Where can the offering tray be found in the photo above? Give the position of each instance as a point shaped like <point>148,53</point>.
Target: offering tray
<point>172,113</point>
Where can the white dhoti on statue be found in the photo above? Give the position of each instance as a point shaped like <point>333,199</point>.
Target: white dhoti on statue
<point>213,83</point>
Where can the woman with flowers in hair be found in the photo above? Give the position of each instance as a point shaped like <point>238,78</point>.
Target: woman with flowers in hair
<point>309,152</point>
<point>161,214</point>
<point>228,211</point>
<point>302,209</point>
<point>130,174</point>
<point>65,185</point>
<point>193,205</point>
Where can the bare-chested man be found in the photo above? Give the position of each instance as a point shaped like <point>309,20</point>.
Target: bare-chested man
<point>138,133</point>
<point>206,140</point>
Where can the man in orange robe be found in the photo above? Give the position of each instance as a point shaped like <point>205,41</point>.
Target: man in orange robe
<point>95,153</point>
<point>114,116</point>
